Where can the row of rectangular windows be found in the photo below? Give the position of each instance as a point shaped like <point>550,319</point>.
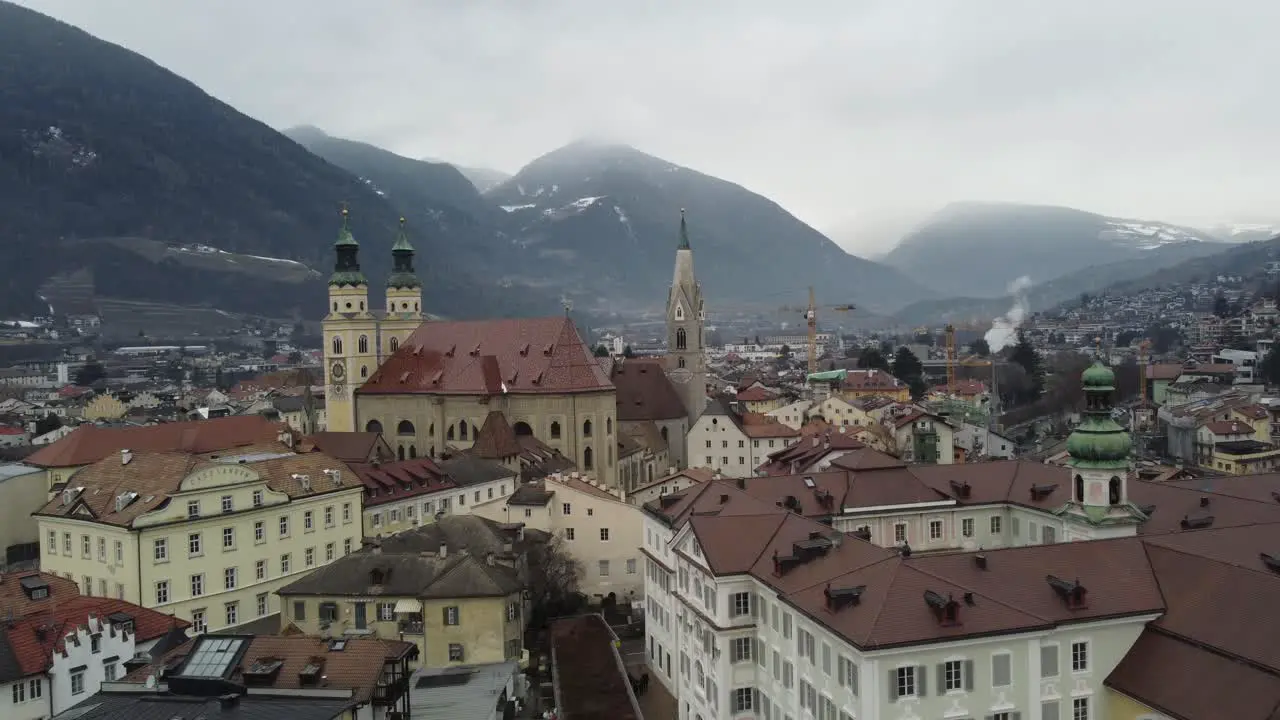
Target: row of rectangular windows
<point>195,541</point>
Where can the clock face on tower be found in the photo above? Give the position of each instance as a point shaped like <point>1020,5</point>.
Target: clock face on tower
<point>337,371</point>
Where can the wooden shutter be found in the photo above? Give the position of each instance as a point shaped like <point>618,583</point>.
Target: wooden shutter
<point>968,675</point>
<point>893,686</point>
<point>942,677</point>
<point>922,680</point>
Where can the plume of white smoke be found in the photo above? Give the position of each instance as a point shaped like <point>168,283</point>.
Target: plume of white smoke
<point>1004,330</point>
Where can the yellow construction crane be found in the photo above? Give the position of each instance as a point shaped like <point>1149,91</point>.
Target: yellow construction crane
<point>811,317</point>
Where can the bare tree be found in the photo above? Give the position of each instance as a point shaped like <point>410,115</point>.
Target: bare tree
<point>554,573</point>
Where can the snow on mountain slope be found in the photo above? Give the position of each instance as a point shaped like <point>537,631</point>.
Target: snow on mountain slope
<point>1149,235</point>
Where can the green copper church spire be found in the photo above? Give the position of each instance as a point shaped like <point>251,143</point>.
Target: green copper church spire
<point>1098,442</point>
<point>402,276</point>
<point>346,266</point>
<point>684,233</point>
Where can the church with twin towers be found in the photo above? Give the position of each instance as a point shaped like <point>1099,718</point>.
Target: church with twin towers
<point>432,385</point>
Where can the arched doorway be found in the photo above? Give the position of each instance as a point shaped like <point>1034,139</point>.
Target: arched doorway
<point>522,429</point>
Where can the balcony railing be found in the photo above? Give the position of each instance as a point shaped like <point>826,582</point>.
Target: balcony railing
<point>389,693</point>
<point>410,627</point>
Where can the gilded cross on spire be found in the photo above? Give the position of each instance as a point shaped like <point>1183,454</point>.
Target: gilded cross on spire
<point>345,214</point>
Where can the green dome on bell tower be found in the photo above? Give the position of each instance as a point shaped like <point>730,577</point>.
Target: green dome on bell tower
<point>1099,442</point>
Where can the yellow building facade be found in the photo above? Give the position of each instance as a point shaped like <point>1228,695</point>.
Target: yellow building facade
<point>208,539</point>
<point>1119,706</point>
<point>462,601</point>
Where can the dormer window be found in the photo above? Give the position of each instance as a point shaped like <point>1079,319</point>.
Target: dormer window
<point>679,312</point>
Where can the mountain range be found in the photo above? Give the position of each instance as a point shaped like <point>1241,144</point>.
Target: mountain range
<point>976,249</point>
<point>122,181</point>
<point>128,179</point>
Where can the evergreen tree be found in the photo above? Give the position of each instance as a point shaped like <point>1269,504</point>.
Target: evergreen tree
<point>1270,369</point>
<point>1025,356</point>
<point>627,352</point>
<point>602,351</point>
<point>871,358</point>
<point>90,373</point>
<point>980,347</point>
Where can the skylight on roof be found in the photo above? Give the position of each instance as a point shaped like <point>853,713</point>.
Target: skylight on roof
<point>213,657</point>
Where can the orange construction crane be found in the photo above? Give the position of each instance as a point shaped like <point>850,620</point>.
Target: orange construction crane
<point>811,317</point>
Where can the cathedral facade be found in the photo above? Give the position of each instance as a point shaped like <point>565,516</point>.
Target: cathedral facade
<point>429,386</point>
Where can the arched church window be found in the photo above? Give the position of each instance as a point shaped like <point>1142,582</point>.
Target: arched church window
<point>681,340</point>
<point>462,429</point>
<point>363,344</point>
<point>431,430</point>
<point>586,428</point>
<point>664,436</point>
<point>1114,487</point>
<point>404,428</point>
<point>1079,489</point>
<point>413,451</point>
<point>680,362</point>
<point>364,371</point>
<point>337,346</point>
<point>449,434</point>
<point>555,429</point>
<point>588,462</point>
<point>335,306</point>
<point>522,429</point>
<point>373,426</point>
<point>400,452</point>
<point>608,426</point>
<point>393,343</point>
<point>362,306</point>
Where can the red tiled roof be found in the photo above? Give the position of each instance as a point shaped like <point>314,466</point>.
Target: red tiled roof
<point>357,666</point>
<point>970,387</point>
<point>154,476</point>
<point>756,394</point>
<point>351,447</point>
<point>13,599</point>
<point>645,392</point>
<point>1011,594</point>
<point>1257,412</point>
<point>398,480</point>
<point>491,357</point>
<point>755,425</point>
<point>817,440</point>
<point>871,379</point>
<point>90,443</point>
<point>495,440</point>
<point>33,648</point>
<point>591,679</point>
<point>1183,679</point>
<point>1229,427</point>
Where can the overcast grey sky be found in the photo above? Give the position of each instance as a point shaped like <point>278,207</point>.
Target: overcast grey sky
<point>837,109</point>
